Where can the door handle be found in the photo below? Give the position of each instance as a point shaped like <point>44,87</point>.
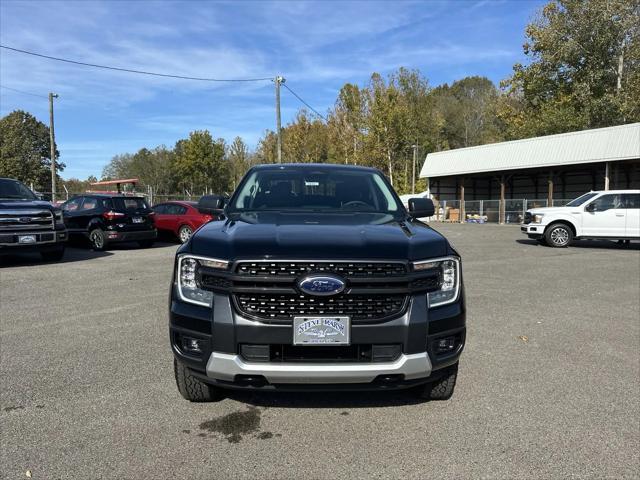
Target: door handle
<point>619,214</point>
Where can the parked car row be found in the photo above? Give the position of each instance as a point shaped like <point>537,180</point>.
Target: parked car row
<point>28,224</point>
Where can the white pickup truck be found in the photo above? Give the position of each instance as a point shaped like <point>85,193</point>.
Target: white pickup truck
<point>611,214</point>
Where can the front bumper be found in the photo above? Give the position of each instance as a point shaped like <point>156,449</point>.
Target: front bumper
<point>222,331</point>
<point>533,230</point>
<point>45,241</point>
<point>223,366</point>
<point>131,236</point>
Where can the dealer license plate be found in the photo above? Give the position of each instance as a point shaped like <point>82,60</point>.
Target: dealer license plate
<point>320,330</point>
<point>138,220</point>
<point>27,239</point>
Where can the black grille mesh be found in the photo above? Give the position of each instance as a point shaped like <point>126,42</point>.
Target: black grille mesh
<point>286,306</point>
<point>347,269</point>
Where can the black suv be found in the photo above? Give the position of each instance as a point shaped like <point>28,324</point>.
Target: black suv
<point>105,219</point>
<point>316,278</point>
<point>28,224</point>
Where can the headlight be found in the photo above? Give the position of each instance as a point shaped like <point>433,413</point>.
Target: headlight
<point>537,218</point>
<point>187,275</point>
<point>58,215</point>
<point>450,276</point>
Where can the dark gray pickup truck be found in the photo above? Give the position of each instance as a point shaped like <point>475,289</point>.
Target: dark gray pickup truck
<point>28,224</point>
<point>316,278</point>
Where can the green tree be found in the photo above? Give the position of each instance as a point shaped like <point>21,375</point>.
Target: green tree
<point>239,160</point>
<point>200,164</point>
<point>468,108</point>
<point>346,126</point>
<point>25,150</point>
<point>152,167</point>
<point>583,70</point>
<point>266,152</point>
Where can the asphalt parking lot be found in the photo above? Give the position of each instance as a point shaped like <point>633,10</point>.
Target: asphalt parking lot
<point>549,384</point>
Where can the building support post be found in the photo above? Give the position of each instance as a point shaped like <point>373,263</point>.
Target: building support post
<point>606,176</point>
<point>462,213</point>
<point>550,190</point>
<point>502,207</point>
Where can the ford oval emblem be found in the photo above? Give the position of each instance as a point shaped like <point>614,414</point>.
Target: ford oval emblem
<point>321,285</point>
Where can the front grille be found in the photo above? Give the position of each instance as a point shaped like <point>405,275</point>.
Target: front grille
<point>296,269</point>
<point>283,307</point>
<point>26,220</point>
<point>528,218</point>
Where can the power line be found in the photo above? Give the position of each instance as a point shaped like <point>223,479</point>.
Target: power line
<point>300,98</point>
<point>141,72</point>
<point>23,92</point>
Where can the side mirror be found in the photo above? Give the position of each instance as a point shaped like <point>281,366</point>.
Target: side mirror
<point>591,207</point>
<point>211,204</point>
<point>421,207</point>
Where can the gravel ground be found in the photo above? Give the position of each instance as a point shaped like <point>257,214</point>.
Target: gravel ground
<point>549,383</point>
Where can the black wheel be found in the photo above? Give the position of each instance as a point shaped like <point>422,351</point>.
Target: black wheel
<point>53,256</point>
<point>192,388</point>
<point>146,243</point>
<point>184,234</point>
<point>97,239</point>
<point>441,389</point>
<point>559,235</point>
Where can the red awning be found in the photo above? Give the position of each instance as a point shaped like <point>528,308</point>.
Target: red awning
<point>116,182</point>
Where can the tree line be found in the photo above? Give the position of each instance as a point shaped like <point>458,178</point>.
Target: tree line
<point>582,71</point>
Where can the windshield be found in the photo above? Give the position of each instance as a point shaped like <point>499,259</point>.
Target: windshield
<point>318,190</point>
<point>581,199</point>
<point>15,189</point>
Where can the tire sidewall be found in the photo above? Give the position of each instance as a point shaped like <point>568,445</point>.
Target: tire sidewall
<point>554,235</point>
<point>97,239</point>
<point>183,228</point>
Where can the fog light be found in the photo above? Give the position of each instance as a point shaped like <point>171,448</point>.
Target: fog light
<point>192,345</point>
<point>446,344</point>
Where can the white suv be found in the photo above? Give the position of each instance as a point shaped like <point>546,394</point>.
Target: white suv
<point>611,214</point>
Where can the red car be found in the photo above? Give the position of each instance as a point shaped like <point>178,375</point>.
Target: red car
<point>179,218</point>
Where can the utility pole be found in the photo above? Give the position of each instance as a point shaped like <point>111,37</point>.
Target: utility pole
<point>413,183</point>
<point>278,80</point>
<point>52,140</point>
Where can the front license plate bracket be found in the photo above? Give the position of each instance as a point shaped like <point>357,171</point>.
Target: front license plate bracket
<point>321,330</point>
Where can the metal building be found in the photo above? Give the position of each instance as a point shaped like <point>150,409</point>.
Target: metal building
<point>547,170</point>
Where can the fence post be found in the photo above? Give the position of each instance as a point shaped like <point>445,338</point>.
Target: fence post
<point>481,208</point>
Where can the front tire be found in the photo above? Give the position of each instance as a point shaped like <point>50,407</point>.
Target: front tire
<point>97,239</point>
<point>441,389</point>
<point>191,387</point>
<point>559,235</point>
<point>53,256</point>
<point>184,234</point>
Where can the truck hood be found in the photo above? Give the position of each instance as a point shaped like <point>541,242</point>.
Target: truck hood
<point>552,210</point>
<point>7,203</point>
<point>318,236</point>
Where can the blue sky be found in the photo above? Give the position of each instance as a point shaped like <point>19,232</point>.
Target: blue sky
<point>316,46</point>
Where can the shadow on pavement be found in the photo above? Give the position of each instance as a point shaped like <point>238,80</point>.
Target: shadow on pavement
<point>603,244</point>
<point>75,252</point>
<point>331,399</point>
<point>70,255</point>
